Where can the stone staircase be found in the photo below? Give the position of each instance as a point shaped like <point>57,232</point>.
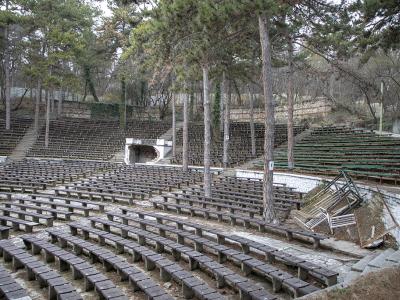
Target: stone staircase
<point>118,157</point>
<point>256,162</point>
<point>373,262</point>
<point>168,135</point>
<point>26,143</point>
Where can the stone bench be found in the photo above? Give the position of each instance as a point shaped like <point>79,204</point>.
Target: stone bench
<point>4,232</point>
<point>58,287</point>
<point>67,200</point>
<point>93,195</point>
<point>218,204</point>
<point>305,268</point>
<point>17,223</point>
<point>54,205</point>
<point>10,289</point>
<point>22,214</point>
<point>55,213</point>
<point>93,279</point>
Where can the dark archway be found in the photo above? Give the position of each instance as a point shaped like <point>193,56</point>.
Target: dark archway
<point>142,153</point>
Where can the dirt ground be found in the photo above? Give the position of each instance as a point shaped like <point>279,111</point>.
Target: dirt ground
<point>380,285</point>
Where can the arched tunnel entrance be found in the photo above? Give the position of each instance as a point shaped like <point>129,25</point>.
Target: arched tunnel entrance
<point>142,153</point>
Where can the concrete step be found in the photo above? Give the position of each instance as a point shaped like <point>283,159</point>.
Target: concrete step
<point>350,276</point>
<point>362,263</point>
<point>394,257</point>
<point>379,262</point>
<point>168,134</point>
<point>25,143</point>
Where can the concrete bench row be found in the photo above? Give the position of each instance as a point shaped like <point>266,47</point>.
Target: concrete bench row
<point>272,255</point>
<point>246,287</point>
<point>168,270</point>
<point>58,287</point>
<point>247,263</point>
<point>9,288</point>
<point>80,268</point>
<point>244,220</point>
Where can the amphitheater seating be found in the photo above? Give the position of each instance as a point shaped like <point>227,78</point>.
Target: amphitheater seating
<point>224,276</point>
<point>126,184</point>
<point>168,270</point>
<point>238,194</point>
<point>58,287</point>
<point>34,175</point>
<point>361,153</point>
<point>278,278</point>
<point>10,138</point>
<point>271,254</point>
<point>4,232</point>
<point>91,139</point>
<point>9,288</point>
<point>240,143</point>
<point>201,261</point>
<point>244,220</point>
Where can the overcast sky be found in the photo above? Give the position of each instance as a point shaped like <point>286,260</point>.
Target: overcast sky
<point>104,8</point>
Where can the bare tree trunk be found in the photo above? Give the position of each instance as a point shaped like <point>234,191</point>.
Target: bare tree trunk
<point>60,102</point>
<point>46,138</point>
<point>37,104</point>
<point>7,77</point>
<point>252,129</point>
<point>30,91</point>
<point>185,135</point>
<point>269,210</point>
<point>226,100</point>
<point>207,134</point>
<point>221,104</point>
<point>51,95</point>
<point>290,131</point>
<point>173,127</point>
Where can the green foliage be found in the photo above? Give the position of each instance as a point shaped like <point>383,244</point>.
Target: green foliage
<point>381,20</point>
<point>102,110</point>
<point>107,111</point>
<point>55,39</point>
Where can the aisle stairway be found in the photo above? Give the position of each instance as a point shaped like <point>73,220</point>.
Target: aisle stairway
<point>26,143</point>
<point>374,262</point>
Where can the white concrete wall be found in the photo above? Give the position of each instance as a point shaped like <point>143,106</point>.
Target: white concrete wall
<point>301,183</point>
<point>161,146</point>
